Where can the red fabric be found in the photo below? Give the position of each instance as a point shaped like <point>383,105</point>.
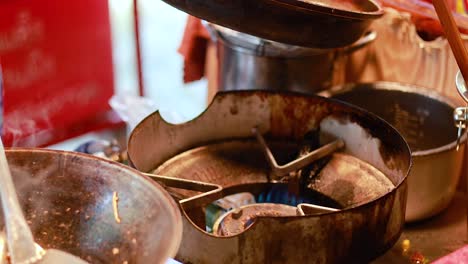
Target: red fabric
<point>424,16</point>
<point>193,49</point>
<point>458,257</point>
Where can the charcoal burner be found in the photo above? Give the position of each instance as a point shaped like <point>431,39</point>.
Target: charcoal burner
<point>216,155</point>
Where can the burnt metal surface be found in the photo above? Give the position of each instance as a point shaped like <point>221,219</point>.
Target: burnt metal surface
<point>208,191</point>
<point>355,234</point>
<point>239,219</point>
<point>67,199</point>
<point>302,23</point>
<point>344,179</point>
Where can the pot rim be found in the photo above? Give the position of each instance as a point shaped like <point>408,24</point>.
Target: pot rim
<point>307,6</point>
<point>409,88</point>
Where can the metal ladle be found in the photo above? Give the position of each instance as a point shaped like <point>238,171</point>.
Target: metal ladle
<point>21,246</point>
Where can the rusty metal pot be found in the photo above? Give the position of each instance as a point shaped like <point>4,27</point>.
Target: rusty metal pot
<point>68,197</point>
<point>355,234</point>
<point>425,119</point>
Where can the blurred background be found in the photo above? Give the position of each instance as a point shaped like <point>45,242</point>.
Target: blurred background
<point>161,29</point>
<point>61,63</point>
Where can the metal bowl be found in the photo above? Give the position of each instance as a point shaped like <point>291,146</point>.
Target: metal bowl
<point>68,197</point>
<point>425,119</point>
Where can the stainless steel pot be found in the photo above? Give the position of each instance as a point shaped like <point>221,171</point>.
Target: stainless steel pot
<point>425,119</point>
<point>68,201</point>
<point>356,234</point>
<point>250,63</point>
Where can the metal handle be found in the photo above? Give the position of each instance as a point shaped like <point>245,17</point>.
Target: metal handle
<point>310,209</point>
<point>460,116</point>
<point>368,38</point>
<point>461,86</point>
<point>210,191</point>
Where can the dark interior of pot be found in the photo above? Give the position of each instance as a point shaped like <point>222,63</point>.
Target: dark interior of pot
<point>337,181</point>
<point>68,201</point>
<point>425,121</point>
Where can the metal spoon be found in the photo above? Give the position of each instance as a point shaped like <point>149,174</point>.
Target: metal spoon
<point>21,246</point>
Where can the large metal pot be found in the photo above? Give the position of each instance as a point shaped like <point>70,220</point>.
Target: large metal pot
<point>354,234</point>
<point>425,119</point>
<point>246,62</point>
<point>67,199</point>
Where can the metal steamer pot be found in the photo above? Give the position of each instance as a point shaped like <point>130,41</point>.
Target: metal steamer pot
<point>246,62</point>
<point>356,233</point>
<point>68,200</point>
<point>425,119</point>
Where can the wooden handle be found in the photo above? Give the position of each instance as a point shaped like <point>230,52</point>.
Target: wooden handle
<point>453,35</point>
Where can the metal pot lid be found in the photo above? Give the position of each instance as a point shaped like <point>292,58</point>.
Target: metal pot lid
<point>345,8</point>
<point>317,23</point>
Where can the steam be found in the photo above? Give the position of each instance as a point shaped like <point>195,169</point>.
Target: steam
<point>29,187</point>
<point>34,124</point>
<point>16,128</point>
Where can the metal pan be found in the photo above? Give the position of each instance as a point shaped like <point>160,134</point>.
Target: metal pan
<point>318,24</point>
<point>357,233</point>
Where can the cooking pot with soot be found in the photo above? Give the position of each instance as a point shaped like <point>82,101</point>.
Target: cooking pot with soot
<point>217,154</point>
